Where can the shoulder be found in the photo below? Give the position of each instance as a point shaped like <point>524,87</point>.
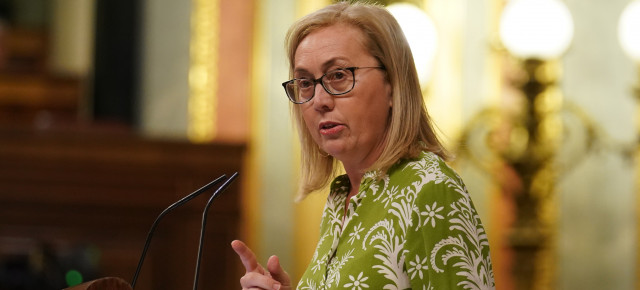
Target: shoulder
<point>428,178</point>
<point>426,168</point>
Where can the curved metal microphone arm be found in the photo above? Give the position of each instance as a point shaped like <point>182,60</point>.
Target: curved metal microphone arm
<point>163,213</point>
<point>219,191</point>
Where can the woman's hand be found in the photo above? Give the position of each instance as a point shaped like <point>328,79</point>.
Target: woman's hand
<point>256,277</point>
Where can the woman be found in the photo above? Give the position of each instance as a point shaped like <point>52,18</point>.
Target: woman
<point>400,217</point>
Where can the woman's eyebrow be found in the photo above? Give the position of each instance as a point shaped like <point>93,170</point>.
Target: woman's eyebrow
<point>301,71</point>
<point>325,65</point>
<point>331,62</point>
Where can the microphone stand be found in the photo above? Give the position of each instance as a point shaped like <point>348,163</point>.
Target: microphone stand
<point>163,213</point>
<point>204,223</point>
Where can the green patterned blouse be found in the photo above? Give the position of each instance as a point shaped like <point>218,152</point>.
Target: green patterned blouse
<point>415,228</point>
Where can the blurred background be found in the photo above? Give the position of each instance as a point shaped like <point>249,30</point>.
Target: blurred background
<point>111,110</point>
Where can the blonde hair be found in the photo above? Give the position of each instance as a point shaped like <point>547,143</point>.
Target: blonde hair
<point>409,129</point>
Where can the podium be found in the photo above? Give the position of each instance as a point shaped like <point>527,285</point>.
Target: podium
<point>108,283</point>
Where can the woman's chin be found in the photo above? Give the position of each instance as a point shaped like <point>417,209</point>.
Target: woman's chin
<point>338,148</point>
<point>333,151</point>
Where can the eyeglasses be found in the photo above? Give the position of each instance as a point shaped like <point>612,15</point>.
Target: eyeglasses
<point>336,82</point>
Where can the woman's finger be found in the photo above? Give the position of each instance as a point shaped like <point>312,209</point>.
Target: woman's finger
<point>247,257</point>
<point>277,272</point>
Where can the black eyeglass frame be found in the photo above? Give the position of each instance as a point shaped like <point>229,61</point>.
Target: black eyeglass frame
<point>319,80</point>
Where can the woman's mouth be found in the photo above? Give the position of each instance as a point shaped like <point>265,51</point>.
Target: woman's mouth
<point>330,128</point>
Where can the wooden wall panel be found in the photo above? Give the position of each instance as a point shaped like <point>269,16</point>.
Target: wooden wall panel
<point>100,193</point>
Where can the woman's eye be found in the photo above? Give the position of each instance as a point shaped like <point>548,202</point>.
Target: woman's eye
<point>337,75</point>
<point>304,84</point>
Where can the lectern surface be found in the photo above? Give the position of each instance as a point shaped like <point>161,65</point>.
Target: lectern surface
<point>110,283</point>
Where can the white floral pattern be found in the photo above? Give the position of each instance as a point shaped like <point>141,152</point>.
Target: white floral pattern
<point>431,214</point>
<point>413,228</point>
<point>417,266</point>
<point>355,235</point>
<point>357,283</point>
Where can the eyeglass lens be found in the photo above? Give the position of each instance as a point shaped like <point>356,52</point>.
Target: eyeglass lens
<point>335,82</point>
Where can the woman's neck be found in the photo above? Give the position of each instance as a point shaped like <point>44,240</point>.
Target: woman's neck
<point>355,174</point>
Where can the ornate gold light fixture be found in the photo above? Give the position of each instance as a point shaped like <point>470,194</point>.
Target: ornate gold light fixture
<point>537,32</point>
<point>526,139</point>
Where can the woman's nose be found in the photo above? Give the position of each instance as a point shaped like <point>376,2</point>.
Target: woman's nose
<point>322,101</point>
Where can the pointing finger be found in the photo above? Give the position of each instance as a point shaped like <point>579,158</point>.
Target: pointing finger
<point>247,257</point>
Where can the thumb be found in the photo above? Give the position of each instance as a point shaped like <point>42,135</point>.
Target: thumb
<point>276,271</point>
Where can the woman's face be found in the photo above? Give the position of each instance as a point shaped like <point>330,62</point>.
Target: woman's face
<point>350,127</point>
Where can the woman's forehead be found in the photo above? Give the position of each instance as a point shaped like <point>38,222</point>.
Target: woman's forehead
<point>331,44</point>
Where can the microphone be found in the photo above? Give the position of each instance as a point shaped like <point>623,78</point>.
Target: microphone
<point>204,223</point>
<point>163,213</point>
